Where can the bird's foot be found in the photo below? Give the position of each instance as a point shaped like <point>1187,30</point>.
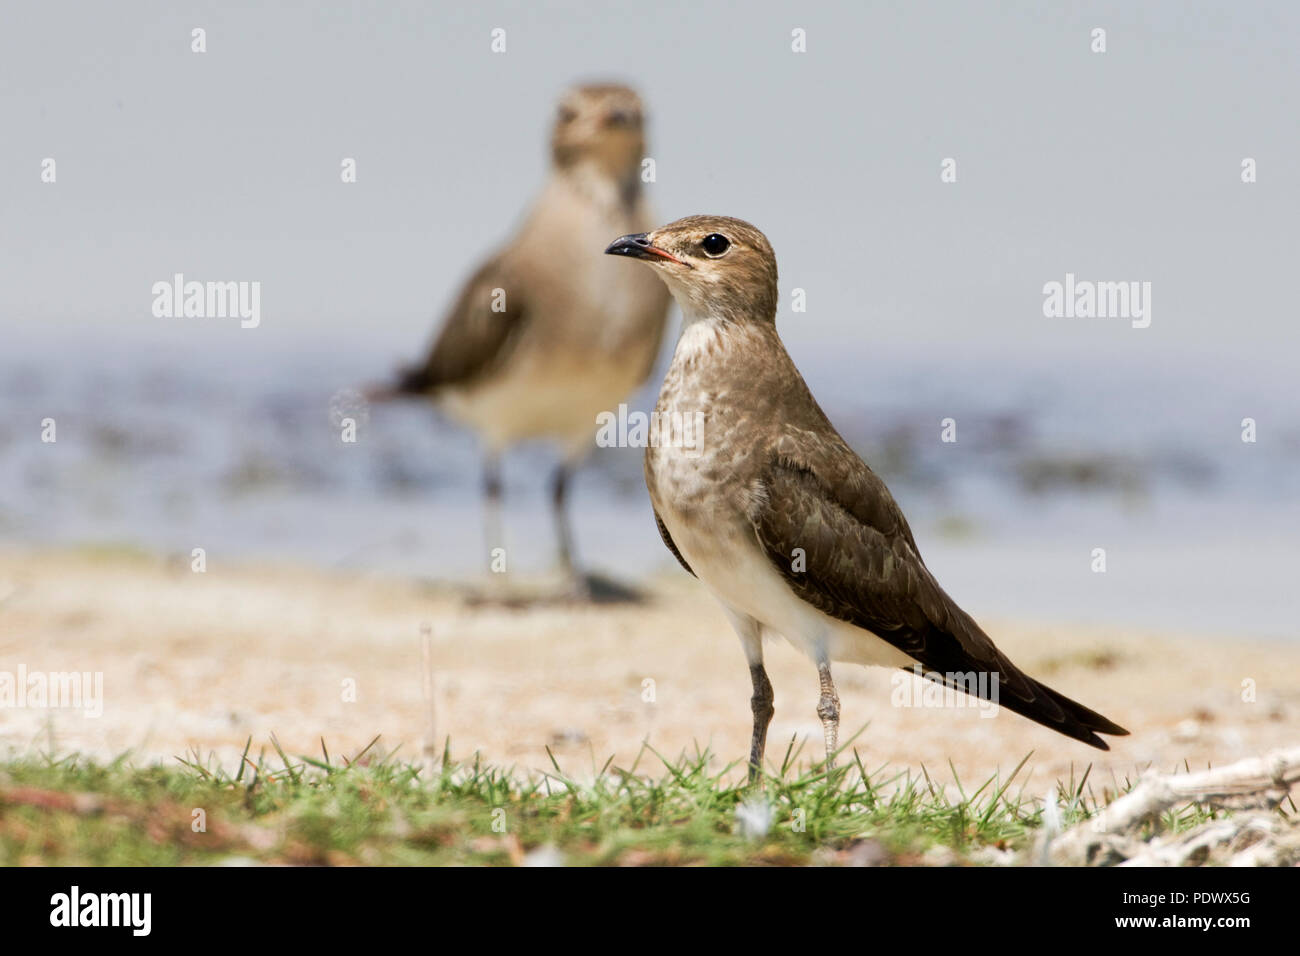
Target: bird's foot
<point>598,589</point>
<point>576,588</point>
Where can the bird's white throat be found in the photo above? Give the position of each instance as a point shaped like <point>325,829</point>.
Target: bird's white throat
<point>701,333</point>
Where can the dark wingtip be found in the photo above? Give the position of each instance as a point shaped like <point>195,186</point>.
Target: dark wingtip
<point>1084,722</point>
<point>409,381</point>
<point>1103,726</point>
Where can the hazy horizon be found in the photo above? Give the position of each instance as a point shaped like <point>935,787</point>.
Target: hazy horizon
<point>1115,166</point>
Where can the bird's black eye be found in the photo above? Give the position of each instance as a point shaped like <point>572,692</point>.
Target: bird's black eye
<point>622,119</point>
<point>715,245</point>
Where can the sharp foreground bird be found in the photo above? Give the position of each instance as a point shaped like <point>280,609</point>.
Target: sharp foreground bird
<point>776,515</point>
<point>548,333</point>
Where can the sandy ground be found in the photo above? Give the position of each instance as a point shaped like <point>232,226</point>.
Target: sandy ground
<point>203,661</point>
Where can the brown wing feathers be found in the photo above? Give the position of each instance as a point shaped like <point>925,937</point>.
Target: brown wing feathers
<point>475,338</point>
<point>672,545</point>
<point>861,566</point>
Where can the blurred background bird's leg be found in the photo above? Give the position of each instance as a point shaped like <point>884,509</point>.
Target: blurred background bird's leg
<point>577,582</point>
<point>492,491</point>
<point>559,507</point>
<point>828,709</point>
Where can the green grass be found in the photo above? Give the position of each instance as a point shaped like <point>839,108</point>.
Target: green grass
<point>376,809</point>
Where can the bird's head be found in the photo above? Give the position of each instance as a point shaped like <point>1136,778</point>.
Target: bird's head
<point>599,124</point>
<point>714,266</point>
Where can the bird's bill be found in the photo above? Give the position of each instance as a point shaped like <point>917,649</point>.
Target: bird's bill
<point>638,246</point>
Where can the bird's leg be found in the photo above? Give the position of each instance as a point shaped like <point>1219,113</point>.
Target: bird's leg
<point>750,633</point>
<point>492,505</point>
<point>579,589</point>
<point>761,705</point>
<point>828,709</point>
<point>559,501</point>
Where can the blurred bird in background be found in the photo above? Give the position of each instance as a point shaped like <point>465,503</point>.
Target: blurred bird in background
<point>549,332</point>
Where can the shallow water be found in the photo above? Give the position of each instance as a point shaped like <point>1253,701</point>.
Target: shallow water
<point>244,459</point>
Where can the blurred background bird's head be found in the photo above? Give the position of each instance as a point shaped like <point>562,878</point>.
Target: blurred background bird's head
<point>599,125</point>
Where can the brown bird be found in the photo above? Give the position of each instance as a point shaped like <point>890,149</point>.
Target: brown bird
<point>776,515</point>
<point>548,333</point>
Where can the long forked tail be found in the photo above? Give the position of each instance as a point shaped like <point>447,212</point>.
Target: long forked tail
<point>1081,723</point>
<point>1023,695</point>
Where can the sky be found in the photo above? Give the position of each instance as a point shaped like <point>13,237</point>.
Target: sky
<point>225,165</point>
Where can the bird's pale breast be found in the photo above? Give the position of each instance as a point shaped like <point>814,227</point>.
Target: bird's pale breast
<point>703,495</point>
